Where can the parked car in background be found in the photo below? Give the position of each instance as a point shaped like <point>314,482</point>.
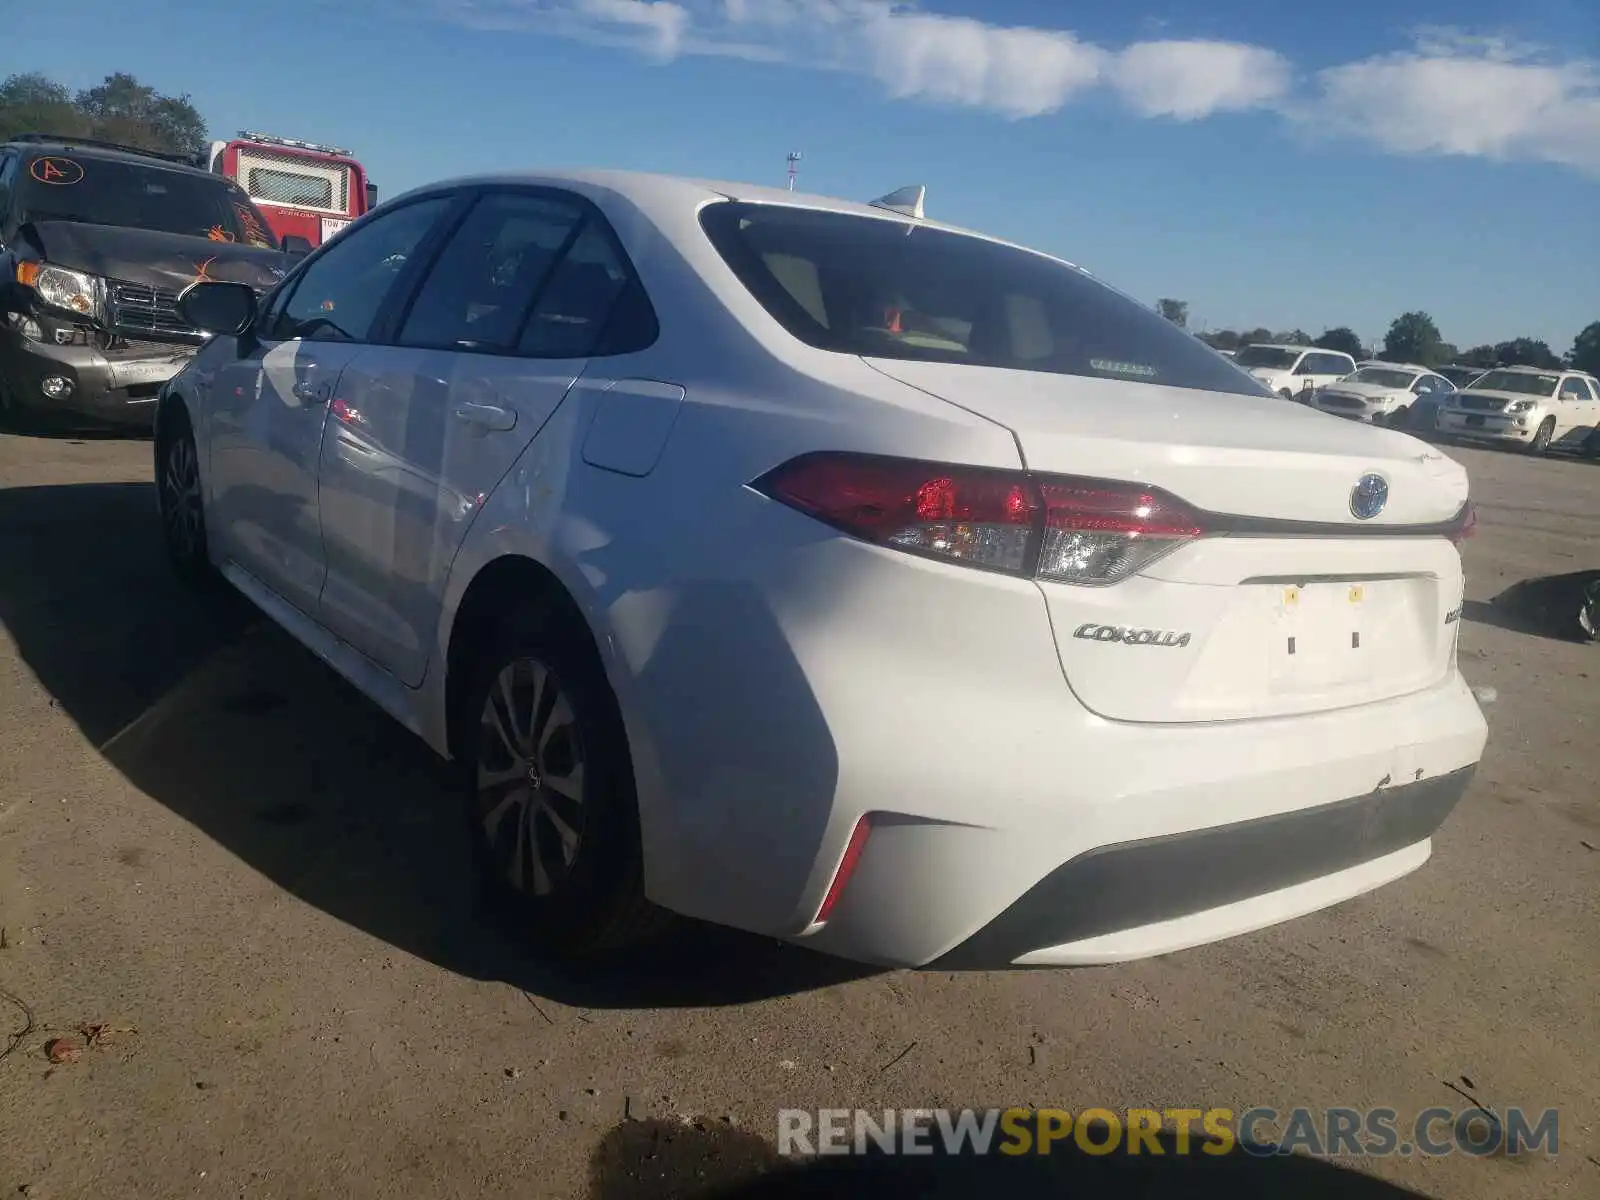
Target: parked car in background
<point>533,459</point>
<point>1294,372</point>
<point>1528,407</point>
<point>1461,375</point>
<point>1400,395</point>
<point>96,242</point>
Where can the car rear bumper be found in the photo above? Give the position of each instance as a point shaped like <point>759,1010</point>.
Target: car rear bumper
<point>928,700</point>
<point>118,390</point>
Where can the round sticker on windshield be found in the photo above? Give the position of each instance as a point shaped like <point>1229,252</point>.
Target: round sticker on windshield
<point>58,171</point>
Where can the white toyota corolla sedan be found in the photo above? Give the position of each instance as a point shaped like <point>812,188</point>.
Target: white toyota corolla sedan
<point>818,569</point>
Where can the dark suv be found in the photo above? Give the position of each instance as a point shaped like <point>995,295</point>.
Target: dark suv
<point>96,243</point>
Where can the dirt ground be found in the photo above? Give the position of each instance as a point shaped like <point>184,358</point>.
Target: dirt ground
<point>214,849</point>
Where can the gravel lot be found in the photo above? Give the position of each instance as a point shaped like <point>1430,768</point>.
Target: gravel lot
<point>212,847</point>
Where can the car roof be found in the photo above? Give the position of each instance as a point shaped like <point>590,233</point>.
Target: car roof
<point>1296,349</point>
<point>104,151</point>
<point>1395,366</point>
<point>648,191</point>
<point>1524,369</point>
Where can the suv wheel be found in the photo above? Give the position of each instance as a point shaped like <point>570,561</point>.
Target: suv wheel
<point>550,796</point>
<point>183,514</point>
<point>1541,439</point>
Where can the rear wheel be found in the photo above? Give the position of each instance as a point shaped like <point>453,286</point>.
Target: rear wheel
<point>549,789</point>
<point>1286,394</point>
<point>1541,438</point>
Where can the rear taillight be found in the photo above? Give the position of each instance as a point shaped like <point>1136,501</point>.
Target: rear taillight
<point>1082,531</point>
<point>1468,526</point>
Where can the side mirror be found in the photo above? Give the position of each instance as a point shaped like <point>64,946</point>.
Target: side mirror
<point>296,246</point>
<point>228,308</point>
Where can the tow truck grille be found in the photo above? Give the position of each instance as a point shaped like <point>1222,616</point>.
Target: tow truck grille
<point>138,308</point>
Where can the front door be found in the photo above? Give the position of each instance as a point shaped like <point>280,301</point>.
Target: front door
<point>269,407</point>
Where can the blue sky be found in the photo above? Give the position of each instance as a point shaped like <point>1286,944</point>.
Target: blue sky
<point>1273,164</point>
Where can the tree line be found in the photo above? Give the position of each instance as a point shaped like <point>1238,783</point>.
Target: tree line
<point>1412,338</point>
<point>120,109</point>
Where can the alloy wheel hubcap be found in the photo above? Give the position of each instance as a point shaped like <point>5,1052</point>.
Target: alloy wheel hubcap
<point>180,490</point>
<point>530,785</point>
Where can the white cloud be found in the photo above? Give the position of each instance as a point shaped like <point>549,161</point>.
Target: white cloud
<point>1454,92</point>
<point>1193,79</point>
<point>662,21</point>
<point>1014,71</point>
<point>1478,97</point>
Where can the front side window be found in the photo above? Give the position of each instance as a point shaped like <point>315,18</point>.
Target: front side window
<point>139,195</point>
<point>340,293</point>
<point>1524,383</point>
<point>1574,389</point>
<point>885,288</point>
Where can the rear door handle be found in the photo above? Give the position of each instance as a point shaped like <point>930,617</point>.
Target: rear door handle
<point>308,393</point>
<point>487,416</point>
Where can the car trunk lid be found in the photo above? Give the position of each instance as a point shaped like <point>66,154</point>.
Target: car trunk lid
<point>1290,603</point>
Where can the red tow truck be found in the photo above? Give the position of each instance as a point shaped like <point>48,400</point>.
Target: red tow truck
<point>305,190</point>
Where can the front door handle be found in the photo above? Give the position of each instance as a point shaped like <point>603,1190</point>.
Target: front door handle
<point>308,393</point>
<point>487,416</point>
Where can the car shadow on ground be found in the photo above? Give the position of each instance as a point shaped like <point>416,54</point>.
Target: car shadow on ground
<point>666,1160</point>
<point>1546,606</point>
<point>215,713</point>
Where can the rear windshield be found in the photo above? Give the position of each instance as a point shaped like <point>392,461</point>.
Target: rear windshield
<point>1517,381</point>
<point>1267,356</point>
<point>883,288</point>
<point>134,195</point>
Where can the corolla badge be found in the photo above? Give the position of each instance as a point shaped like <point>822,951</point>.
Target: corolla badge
<point>1368,497</point>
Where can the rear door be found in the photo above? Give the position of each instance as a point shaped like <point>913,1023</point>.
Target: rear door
<point>425,426</point>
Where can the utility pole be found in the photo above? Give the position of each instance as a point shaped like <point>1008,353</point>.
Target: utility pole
<point>794,167</point>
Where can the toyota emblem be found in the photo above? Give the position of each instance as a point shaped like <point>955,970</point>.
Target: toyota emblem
<point>1369,496</point>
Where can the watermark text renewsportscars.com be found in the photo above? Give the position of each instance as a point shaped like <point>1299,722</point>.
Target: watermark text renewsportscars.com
<point>1259,1132</point>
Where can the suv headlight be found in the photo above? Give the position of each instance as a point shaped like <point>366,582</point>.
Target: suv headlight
<point>67,291</point>
<point>1517,406</point>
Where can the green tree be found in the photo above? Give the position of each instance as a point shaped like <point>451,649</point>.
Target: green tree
<point>1526,352</point>
<point>1293,337</point>
<point>1176,311</point>
<point>124,110</point>
<point>1413,338</point>
<point>34,104</point>
<point>1343,339</point>
<point>1585,353</point>
<point>1222,339</point>
<point>1478,356</point>
<point>1252,337</point>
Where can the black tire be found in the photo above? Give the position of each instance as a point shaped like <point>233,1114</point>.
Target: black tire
<point>179,500</point>
<point>519,814</point>
<point>1542,436</point>
<point>1286,394</point>
<point>1400,418</point>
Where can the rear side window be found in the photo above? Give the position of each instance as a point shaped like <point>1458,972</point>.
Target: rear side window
<point>479,291</point>
<point>887,288</point>
<point>578,300</point>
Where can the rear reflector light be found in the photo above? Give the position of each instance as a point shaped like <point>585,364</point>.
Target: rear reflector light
<point>847,867</point>
<point>1082,531</point>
